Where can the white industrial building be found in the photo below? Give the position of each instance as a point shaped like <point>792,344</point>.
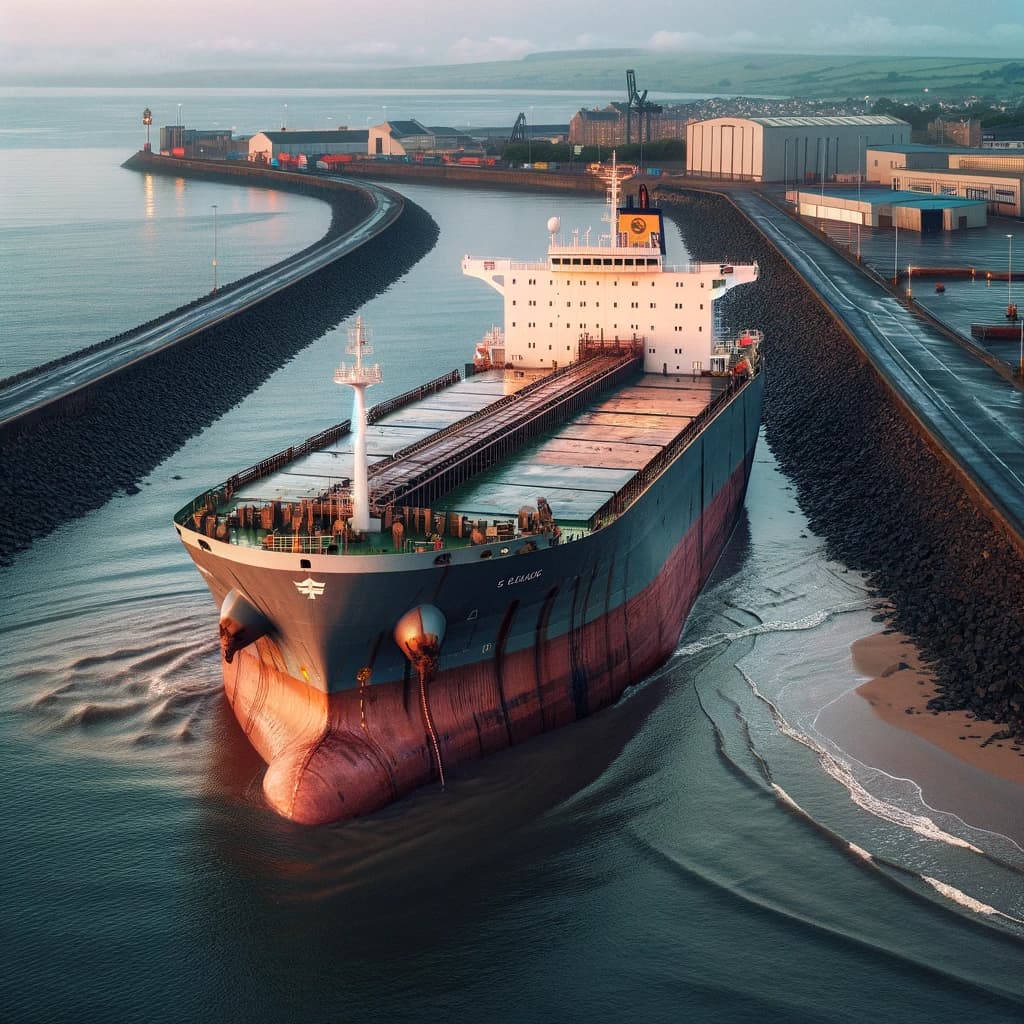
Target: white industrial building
<point>995,178</point>
<point>266,147</point>
<point>789,149</point>
<point>412,139</point>
<point>881,208</point>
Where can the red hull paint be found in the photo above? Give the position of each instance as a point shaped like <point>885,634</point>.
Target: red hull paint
<point>338,756</point>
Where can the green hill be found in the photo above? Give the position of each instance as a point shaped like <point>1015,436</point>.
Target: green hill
<point>920,80</point>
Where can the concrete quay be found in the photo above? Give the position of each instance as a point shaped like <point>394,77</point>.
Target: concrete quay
<point>963,403</point>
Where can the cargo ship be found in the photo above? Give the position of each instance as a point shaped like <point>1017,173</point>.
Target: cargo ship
<point>494,554</point>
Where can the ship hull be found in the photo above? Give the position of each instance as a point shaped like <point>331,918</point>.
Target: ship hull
<point>553,637</point>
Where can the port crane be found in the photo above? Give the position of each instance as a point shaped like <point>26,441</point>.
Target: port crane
<point>518,130</point>
<point>638,102</point>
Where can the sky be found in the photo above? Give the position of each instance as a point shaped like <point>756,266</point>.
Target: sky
<point>94,35</point>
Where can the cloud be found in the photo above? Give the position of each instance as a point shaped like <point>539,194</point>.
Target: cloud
<point>667,41</point>
<point>878,34</point>
<point>473,51</point>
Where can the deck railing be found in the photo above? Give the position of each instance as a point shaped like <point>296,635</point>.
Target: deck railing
<point>628,494</point>
<point>217,496</point>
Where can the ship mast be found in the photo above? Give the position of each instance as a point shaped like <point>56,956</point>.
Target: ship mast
<point>359,378</point>
<point>611,214</point>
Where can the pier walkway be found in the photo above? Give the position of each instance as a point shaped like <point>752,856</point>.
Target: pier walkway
<point>49,384</point>
<point>969,409</point>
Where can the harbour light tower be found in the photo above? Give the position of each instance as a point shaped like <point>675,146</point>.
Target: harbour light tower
<point>359,377</point>
<point>147,120</point>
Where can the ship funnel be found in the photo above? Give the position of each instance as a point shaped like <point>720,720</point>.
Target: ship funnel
<point>419,633</point>
<point>240,624</point>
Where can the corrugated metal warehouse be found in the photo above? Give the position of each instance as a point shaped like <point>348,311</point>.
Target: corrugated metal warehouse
<point>797,149</point>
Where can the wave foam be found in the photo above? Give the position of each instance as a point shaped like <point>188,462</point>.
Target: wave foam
<point>842,772</point>
<point>969,902</point>
<point>810,621</point>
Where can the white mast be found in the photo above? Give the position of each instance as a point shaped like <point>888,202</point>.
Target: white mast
<point>359,378</point>
<point>611,214</point>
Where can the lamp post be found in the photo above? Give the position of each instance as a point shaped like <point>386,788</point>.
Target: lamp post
<point>861,155</point>
<point>895,252</point>
<point>147,120</point>
<point>529,140</point>
<point>180,142</point>
<point>214,248</point>
<point>1009,278</point>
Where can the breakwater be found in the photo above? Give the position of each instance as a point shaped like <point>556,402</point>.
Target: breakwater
<point>108,436</point>
<point>453,175</point>
<point>885,501</point>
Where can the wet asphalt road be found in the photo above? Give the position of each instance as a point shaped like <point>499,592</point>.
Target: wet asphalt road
<point>975,414</point>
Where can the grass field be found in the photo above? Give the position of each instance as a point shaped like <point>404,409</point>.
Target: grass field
<point>918,80</point>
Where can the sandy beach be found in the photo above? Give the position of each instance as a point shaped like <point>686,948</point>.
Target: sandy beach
<point>886,723</point>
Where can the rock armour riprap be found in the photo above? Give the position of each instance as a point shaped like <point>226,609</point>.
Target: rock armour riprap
<point>57,469</point>
<point>885,503</point>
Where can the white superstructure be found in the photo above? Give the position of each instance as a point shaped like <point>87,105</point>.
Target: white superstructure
<point>616,290</point>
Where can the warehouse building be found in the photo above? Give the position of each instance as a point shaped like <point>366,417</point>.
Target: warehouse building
<point>789,149</point>
<point>878,208</point>
<point>994,177</point>
<point>412,139</point>
<point>286,147</point>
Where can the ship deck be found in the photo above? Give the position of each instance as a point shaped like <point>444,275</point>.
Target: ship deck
<point>576,466</point>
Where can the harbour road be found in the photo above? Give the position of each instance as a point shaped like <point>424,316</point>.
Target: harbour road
<point>976,415</point>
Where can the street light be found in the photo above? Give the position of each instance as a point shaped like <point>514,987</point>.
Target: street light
<point>214,248</point>
<point>861,152</point>
<point>1009,278</point>
<point>821,170</point>
<point>895,251</point>
<point>180,142</point>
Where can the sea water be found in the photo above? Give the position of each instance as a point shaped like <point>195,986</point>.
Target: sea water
<point>697,852</point>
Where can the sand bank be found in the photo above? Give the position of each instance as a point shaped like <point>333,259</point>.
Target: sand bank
<point>951,755</point>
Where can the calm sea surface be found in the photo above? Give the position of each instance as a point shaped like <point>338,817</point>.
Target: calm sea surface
<point>698,852</point>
